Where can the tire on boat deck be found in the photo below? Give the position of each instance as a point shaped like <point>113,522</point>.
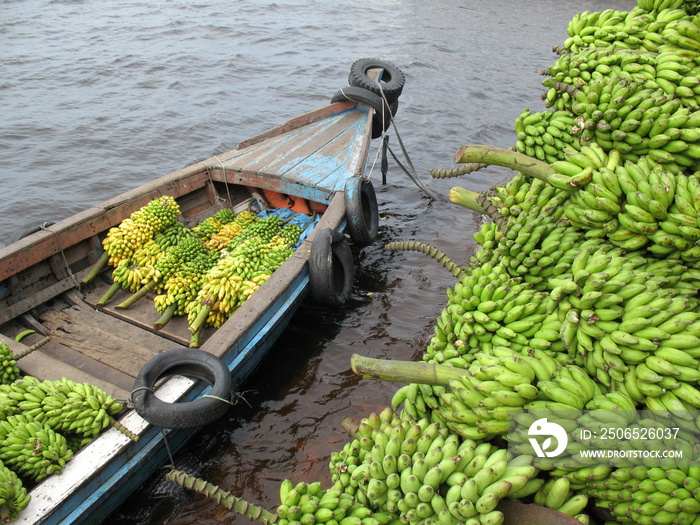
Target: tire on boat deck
<point>361,211</point>
<point>391,82</point>
<point>331,268</point>
<point>381,120</point>
<point>194,364</point>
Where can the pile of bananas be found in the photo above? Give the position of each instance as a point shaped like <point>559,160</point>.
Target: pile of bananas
<point>136,231</point>
<point>582,301</point>
<point>252,258</point>
<point>205,272</point>
<point>213,224</point>
<point>32,449</point>
<point>416,471</point>
<point>66,406</point>
<point>8,365</point>
<point>42,425</point>
<point>13,495</point>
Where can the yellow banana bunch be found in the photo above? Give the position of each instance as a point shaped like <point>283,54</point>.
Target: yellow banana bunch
<point>139,228</point>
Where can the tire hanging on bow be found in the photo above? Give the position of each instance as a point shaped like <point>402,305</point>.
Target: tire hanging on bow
<point>361,211</point>
<point>381,119</point>
<point>391,80</point>
<point>331,268</point>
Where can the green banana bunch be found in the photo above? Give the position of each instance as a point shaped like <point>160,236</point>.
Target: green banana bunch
<point>33,450</point>
<point>213,224</point>
<point>495,386</point>
<point>556,493</point>
<point>631,495</point>
<point>309,503</point>
<point>8,365</point>
<point>545,134</point>
<point>418,471</point>
<point>13,495</point>
<point>78,408</point>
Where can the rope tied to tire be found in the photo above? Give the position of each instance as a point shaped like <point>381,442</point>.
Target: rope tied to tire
<point>192,364</point>
<point>383,96</point>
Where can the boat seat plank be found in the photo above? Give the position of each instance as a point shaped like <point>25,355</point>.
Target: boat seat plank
<point>44,365</point>
<point>111,342</point>
<point>141,317</point>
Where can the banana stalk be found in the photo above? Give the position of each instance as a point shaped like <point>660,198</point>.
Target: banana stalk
<point>109,293</point>
<point>507,158</point>
<point>222,497</point>
<point>165,317</point>
<point>427,249</point>
<point>138,295</point>
<point>404,371</point>
<point>121,428</point>
<point>466,198</point>
<point>96,268</point>
<point>456,172</point>
<point>29,350</point>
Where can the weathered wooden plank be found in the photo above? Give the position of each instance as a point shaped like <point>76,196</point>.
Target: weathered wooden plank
<point>142,316</point>
<point>327,164</point>
<point>290,150</point>
<point>45,366</point>
<point>38,298</point>
<point>101,343</point>
<point>133,335</point>
<point>298,122</point>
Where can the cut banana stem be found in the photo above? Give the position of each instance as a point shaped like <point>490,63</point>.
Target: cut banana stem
<point>96,268</point>
<point>202,315</point>
<point>165,317</point>
<point>506,158</point>
<point>138,295</point>
<point>404,371</point>
<point>109,293</point>
<point>466,198</point>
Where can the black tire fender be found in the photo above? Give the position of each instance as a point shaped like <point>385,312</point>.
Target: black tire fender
<point>361,211</point>
<point>331,268</point>
<point>381,119</point>
<point>191,363</point>
<point>391,82</point>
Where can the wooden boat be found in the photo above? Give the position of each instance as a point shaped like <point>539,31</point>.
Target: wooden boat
<point>317,159</point>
